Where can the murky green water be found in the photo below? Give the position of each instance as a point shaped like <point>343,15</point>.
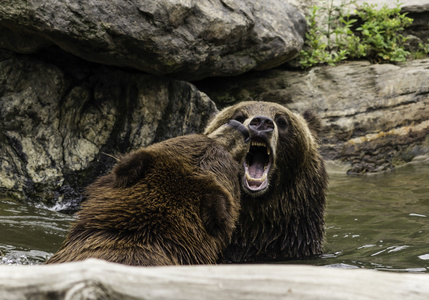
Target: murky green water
<point>28,234</point>
<point>377,222</point>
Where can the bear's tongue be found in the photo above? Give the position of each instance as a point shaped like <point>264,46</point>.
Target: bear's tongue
<point>256,170</point>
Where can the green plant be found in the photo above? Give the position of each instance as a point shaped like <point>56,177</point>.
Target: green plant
<point>319,47</point>
<point>381,31</point>
<point>372,33</point>
<point>422,51</point>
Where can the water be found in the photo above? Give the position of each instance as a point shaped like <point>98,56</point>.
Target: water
<point>379,221</point>
<point>28,234</point>
<point>376,222</point>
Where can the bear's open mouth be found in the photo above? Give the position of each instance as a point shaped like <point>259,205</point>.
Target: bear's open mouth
<point>257,165</point>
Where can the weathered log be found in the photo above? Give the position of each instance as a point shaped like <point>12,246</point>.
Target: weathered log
<point>95,279</point>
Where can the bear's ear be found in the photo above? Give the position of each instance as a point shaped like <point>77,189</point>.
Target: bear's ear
<point>131,168</point>
<point>314,123</point>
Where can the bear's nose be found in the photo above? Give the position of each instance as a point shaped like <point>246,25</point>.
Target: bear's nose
<point>261,124</point>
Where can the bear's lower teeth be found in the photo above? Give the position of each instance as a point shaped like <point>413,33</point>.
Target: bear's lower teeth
<point>256,184</point>
<point>260,179</point>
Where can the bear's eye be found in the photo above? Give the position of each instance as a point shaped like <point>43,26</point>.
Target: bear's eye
<point>240,118</point>
<point>281,122</point>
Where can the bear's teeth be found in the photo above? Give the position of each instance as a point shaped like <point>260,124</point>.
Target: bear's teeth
<point>260,144</point>
<point>260,179</point>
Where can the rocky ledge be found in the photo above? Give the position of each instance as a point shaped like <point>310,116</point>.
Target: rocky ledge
<point>375,116</point>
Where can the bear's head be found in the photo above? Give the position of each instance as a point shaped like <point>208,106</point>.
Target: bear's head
<point>283,182</point>
<point>279,139</point>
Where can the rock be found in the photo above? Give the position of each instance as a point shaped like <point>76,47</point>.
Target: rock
<point>419,12</point>
<point>375,116</point>
<point>187,39</point>
<point>61,122</point>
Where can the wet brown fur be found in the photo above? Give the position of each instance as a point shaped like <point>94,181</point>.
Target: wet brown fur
<point>287,221</point>
<point>172,203</point>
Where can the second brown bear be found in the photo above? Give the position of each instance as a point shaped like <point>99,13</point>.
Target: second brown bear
<point>283,183</point>
<point>172,203</point>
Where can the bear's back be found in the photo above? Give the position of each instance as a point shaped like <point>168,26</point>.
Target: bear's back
<point>160,205</point>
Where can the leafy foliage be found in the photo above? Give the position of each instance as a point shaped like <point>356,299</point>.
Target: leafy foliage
<point>370,32</point>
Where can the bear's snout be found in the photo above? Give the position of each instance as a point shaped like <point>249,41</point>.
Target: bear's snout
<point>261,124</point>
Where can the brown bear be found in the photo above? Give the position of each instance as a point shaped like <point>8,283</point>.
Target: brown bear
<point>172,203</point>
<point>283,183</point>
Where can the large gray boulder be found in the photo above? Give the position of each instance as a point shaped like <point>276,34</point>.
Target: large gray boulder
<point>190,39</point>
<point>61,125</point>
<point>375,117</point>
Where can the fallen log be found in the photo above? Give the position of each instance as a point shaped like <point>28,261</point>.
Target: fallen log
<point>95,279</point>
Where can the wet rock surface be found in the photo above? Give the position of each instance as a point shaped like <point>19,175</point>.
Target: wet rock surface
<point>61,123</point>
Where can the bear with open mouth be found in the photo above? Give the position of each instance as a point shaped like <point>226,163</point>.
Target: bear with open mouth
<point>283,184</point>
